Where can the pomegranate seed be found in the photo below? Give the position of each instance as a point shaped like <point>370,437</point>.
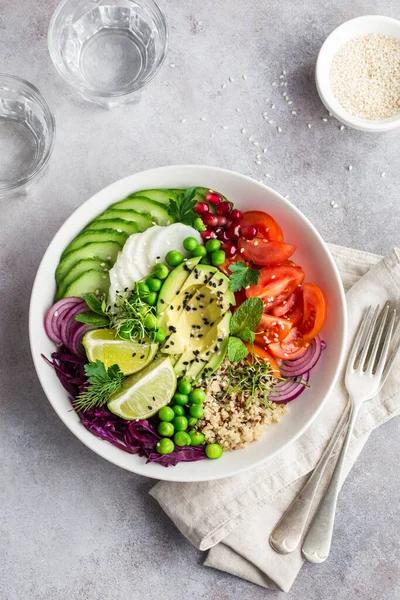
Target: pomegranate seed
<point>213,198</point>
<point>236,215</point>
<point>229,248</point>
<point>248,232</point>
<point>207,234</point>
<point>223,209</point>
<point>233,231</point>
<point>210,220</point>
<point>223,236</point>
<point>221,221</point>
<point>201,208</point>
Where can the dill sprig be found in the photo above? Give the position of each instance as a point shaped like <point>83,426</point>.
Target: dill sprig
<point>101,385</point>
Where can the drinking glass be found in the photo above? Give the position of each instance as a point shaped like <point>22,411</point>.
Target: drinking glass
<point>27,133</point>
<point>108,49</point>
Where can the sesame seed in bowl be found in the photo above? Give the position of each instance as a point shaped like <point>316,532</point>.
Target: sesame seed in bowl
<point>358,73</point>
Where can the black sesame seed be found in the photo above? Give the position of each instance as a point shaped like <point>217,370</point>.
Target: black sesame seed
<point>177,292</point>
<point>142,357</point>
<point>179,307</point>
<point>172,343</point>
<point>158,257</point>
<point>221,281</point>
<point>172,328</point>
<point>220,339</point>
<point>162,301</point>
<point>134,354</point>
<point>186,362</point>
<point>171,307</point>
<point>196,352</point>
<point>187,307</point>
<point>149,407</point>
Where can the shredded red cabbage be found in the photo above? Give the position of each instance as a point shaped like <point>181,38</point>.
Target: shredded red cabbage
<point>135,437</point>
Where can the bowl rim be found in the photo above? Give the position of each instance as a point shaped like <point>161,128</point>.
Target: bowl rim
<point>87,91</point>
<point>39,98</point>
<point>359,123</point>
<point>92,441</point>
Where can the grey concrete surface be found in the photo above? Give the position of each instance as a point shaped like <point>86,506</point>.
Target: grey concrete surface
<point>71,525</point>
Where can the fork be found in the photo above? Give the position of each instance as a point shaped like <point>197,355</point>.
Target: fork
<point>367,370</point>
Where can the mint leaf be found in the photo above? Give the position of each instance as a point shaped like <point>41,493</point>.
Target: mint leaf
<point>242,276</point>
<point>236,349</point>
<point>247,315</point>
<point>93,319</point>
<point>247,335</point>
<point>93,303</point>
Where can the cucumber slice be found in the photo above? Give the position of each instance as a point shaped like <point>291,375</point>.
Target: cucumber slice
<point>118,225</point>
<point>143,221</point>
<point>94,281</point>
<point>162,196</point>
<point>158,212</point>
<point>81,267</point>
<point>102,251</point>
<point>102,235</point>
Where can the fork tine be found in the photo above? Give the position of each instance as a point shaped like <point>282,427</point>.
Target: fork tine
<point>367,341</point>
<point>385,350</point>
<point>377,341</point>
<point>356,344</point>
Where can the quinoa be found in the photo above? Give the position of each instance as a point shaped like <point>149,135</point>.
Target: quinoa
<point>226,419</point>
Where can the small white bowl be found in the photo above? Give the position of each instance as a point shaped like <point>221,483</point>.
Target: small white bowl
<point>342,34</point>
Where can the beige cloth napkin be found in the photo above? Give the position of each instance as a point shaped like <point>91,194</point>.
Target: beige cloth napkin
<point>233,517</point>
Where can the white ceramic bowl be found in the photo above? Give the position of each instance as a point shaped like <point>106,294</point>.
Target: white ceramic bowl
<point>312,254</point>
<point>342,34</point>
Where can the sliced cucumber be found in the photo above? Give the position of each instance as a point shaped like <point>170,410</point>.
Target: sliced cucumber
<point>157,211</point>
<point>102,251</point>
<point>101,235</point>
<point>162,196</point>
<point>118,225</point>
<point>82,266</point>
<point>94,281</point>
<point>142,220</point>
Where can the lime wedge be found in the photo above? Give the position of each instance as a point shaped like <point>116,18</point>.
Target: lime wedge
<point>101,344</point>
<point>144,393</point>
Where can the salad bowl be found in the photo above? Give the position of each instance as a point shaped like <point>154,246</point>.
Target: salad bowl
<point>311,253</point>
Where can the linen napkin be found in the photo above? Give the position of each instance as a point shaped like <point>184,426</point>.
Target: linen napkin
<point>233,517</point>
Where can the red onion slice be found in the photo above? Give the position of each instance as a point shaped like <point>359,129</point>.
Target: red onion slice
<point>299,366</point>
<point>51,322</point>
<point>289,390</point>
<point>68,323</point>
<point>75,341</point>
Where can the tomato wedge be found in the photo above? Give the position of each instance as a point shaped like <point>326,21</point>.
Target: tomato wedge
<point>265,356</point>
<point>286,305</point>
<point>272,329</point>
<point>276,284</point>
<point>295,314</point>
<point>314,312</point>
<point>267,227</point>
<point>264,252</point>
<point>289,348</point>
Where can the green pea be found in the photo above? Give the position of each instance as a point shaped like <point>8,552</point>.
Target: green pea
<point>180,423</point>
<point>166,429</point>
<point>142,289</point>
<point>165,446</point>
<point>218,258</point>
<point>196,411</point>
<point>197,396</point>
<point>150,321</point>
<point>178,410</point>
<point>214,450</point>
<point>198,224</point>
<point>166,413</point>
<point>124,332</point>
<point>196,438</point>
<point>192,421</point>
<point>174,258</point>
<point>181,438</point>
<point>180,399</point>
<point>160,336</point>
<point>185,387</point>
<point>160,271</point>
<point>205,260</point>
<point>199,251</point>
<point>190,243</point>
<point>151,298</point>
<point>213,245</point>
<point>153,284</point>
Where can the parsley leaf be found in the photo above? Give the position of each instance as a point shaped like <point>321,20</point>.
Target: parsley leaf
<point>182,207</point>
<point>242,276</point>
<point>248,315</point>
<point>236,349</point>
<point>102,384</point>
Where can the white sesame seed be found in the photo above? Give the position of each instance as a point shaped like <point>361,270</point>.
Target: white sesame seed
<point>224,127</point>
<point>383,174</point>
<point>255,143</point>
<point>282,84</point>
<point>330,114</point>
<point>266,99</point>
<point>341,127</point>
<point>281,76</point>
<point>273,106</point>
<point>182,120</point>
<point>231,79</point>
<point>332,203</point>
<point>324,119</point>
<point>270,121</point>
<point>287,196</point>
<point>309,125</point>
<point>290,102</point>
<point>172,65</point>
<point>294,112</point>
<point>223,86</point>
<point>211,135</point>
<point>238,110</point>
<point>203,118</point>
<point>273,276</point>
<point>56,313</point>
<point>258,156</point>
<point>250,138</point>
<point>350,168</point>
<point>283,72</point>
<point>243,130</point>
<point>285,84</point>
<point>265,150</point>
<point>267,175</point>
<point>241,250</point>
<point>244,77</point>
<point>274,84</point>
<point>279,129</point>
<point>256,243</point>
<point>258,162</point>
